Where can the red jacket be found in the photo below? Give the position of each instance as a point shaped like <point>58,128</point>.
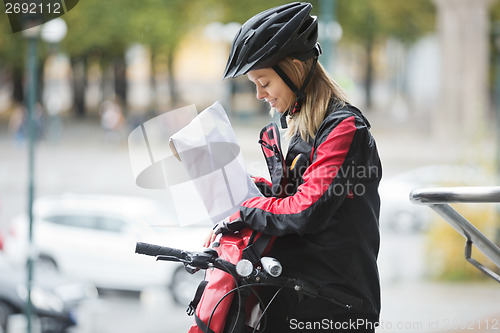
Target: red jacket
<point>326,219</point>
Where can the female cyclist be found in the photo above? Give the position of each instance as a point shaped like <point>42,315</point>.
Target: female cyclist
<point>325,212</point>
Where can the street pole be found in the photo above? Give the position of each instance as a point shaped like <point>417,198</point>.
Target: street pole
<point>31,82</point>
<point>496,43</point>
<point>496,99</point>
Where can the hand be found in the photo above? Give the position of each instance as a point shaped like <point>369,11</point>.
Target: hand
<point>229,227</point>
<point>210,239</point>
<point>265,187</point>
<point>224,227</point>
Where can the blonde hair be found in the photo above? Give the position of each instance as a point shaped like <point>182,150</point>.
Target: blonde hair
<point>320,92</point>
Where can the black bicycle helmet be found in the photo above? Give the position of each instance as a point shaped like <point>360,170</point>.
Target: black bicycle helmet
<point>272,35</point>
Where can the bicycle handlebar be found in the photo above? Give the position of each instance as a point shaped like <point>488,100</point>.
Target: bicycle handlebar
<point>209,258</point>
<point>198,260</point>
<point>157,250</point>
<point>192,260</point>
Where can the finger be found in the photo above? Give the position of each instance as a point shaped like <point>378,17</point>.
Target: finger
<point>208,239</point>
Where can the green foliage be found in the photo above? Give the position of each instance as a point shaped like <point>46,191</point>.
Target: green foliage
<point>111,26</point>
<point>495,11</point>
<point>240,11</point>
<point>161,24</point>
<point>403,20</point>
<point>108,27</point>
<point>11,45</point>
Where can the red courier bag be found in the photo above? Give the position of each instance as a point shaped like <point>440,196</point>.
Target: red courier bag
<point>232,247</point>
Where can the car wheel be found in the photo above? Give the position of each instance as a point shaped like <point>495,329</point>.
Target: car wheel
<point>184,285</point>
<point>5,311</point>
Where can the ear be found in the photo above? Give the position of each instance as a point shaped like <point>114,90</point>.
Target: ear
<point>300,66</point>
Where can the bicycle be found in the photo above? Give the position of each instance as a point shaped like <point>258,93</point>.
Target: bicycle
<point>247,277</point>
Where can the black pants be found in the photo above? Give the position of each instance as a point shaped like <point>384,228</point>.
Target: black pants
<point>290,313</point>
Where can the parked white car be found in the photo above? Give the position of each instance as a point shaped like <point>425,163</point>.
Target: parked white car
<point>94,237</point>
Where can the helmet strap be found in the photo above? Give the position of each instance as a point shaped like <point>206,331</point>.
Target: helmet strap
<point>300,95</point>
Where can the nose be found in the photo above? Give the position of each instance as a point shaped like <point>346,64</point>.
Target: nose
<point>261,93</point>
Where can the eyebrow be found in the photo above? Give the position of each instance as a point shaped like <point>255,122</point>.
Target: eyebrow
<point>257,79</point>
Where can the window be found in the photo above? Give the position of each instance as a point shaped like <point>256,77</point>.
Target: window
<point>95,222</point>
<point>111,224</point>
<point>79,221</point>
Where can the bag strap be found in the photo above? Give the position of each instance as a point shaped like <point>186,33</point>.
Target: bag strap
<point>202,325</point>
<point>270,142</point>
<point>197,297</point>
<point>253,251</point>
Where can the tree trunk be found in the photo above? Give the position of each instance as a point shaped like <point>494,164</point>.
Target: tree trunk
<point>369,75</point>
<point>79,83</point>
<point>18,93</point>
<point>171,78</point>
<point>120,79</point>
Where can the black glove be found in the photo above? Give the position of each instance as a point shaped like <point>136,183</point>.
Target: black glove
<point>264,189</point>
<point>229,227</point>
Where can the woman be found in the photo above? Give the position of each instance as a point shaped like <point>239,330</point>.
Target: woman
<point>326,221</point>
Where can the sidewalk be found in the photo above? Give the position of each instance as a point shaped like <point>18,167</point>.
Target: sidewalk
<point>423,306</point>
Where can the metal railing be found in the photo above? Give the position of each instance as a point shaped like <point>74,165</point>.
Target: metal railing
<point>439,199</point>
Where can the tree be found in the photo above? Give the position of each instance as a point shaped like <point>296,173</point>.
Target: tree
<point>365,22</point>
<point>107,28</point>
<point>110,28</point>
<point>368,22</point>
<point>12,54</point>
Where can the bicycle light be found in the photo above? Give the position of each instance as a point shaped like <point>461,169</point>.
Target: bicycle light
<point>272,266</point>
<point>244,268</point>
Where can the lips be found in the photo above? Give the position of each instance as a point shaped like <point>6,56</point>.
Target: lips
<point>272,102</point>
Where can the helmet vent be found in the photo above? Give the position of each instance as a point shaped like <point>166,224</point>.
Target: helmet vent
<point>305,25</point>
<point>313,35</point>
<point>247,39</point>
<point>259,23</point>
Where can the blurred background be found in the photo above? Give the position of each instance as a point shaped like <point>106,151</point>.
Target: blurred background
<point>426,73</point>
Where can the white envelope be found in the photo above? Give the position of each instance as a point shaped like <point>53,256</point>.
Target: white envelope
<point>201,165</point>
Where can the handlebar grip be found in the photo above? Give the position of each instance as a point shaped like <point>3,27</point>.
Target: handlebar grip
<point>157,250</point>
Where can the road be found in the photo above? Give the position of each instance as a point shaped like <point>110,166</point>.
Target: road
<point>151,311</point>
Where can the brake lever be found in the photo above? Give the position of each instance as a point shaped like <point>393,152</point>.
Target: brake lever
<point>201,260</point>
<point>193,261</point>
<point>167,258</point>
<point>191,269</point>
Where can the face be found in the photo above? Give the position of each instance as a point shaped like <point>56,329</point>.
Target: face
<point>272,89</point>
